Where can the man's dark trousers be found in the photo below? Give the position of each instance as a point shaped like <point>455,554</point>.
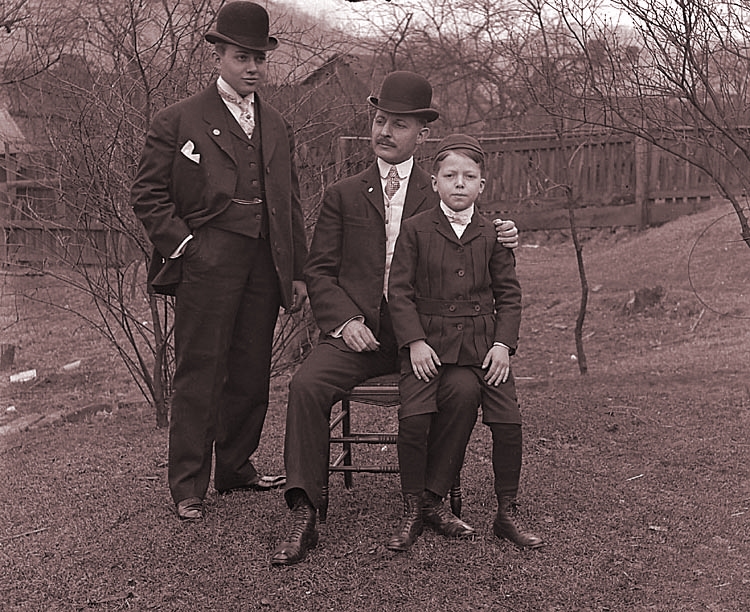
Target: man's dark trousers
<point>226,308</point>
<point>331,371</point>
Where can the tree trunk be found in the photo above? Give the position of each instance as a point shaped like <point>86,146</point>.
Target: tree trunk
<point>582,365</point>
<point>160,371</point>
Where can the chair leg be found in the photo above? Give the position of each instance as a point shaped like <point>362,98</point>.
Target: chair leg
<point>346,430</point>
<point>455,495</point>
<point>323,510</point>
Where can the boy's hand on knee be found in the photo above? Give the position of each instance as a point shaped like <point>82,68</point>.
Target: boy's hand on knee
<point>497,364</point>
<point>424,360</point>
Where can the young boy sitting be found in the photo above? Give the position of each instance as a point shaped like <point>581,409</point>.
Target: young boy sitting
<point>455,302</point>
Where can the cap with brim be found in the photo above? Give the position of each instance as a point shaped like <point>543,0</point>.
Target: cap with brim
<point>244,24</point>
<point>459,141</point>
<point>405,93</point>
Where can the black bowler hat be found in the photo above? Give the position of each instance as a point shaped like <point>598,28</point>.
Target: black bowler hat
<point>244,24</point>
<point>405,93</point>
<point>459,141</point>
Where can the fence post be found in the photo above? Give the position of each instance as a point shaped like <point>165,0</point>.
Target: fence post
<point>642,181</point>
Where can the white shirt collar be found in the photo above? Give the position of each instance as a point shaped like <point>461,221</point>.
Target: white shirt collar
<point>457,217</point>
<point>222,84</point>
<point>404,168</point>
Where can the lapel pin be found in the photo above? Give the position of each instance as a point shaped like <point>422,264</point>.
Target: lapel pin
<point>217,131</point>
<point>369,190</point>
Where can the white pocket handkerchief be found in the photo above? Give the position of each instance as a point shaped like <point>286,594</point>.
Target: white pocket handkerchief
<point>187,151</point>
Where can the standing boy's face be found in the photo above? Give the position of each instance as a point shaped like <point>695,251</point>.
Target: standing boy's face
<point>458,181</point>
<point>394,138</point>
<point>242,68</point>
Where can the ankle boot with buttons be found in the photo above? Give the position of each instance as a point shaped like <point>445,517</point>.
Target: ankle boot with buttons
<point>505,529</point>
<point>411,524</point>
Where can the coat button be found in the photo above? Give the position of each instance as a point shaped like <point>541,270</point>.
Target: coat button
<point>477,308</point>
<point>460,249</point>
<point>461,272</point>
<point>452,308</point>
<point>460,326</point>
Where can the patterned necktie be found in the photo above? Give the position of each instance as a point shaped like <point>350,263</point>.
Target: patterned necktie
<point>246,119</point>
<point>392,182</point>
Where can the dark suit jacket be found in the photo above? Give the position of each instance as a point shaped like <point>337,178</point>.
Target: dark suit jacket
<point>174,195</point>
<point>459,294</point>
<point>346,266</point>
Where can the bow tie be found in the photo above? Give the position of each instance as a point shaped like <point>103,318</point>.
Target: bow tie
<point>458,217</point>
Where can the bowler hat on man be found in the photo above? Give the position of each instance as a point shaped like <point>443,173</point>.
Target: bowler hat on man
<point>405,93</point>
<point>244,24</point>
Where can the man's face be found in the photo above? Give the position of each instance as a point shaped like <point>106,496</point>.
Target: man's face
<point>242,68</point>
<point>394,138</point>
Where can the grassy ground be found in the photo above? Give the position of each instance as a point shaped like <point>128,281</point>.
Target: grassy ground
<point>636,475</point>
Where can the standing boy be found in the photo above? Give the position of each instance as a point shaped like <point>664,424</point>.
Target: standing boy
<point>217,192</point>
<point>456,305</point>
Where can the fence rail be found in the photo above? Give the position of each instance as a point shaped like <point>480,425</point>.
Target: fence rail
<point>609,179</point>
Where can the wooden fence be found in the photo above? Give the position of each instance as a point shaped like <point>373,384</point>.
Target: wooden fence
<point>613,180</point>
<point>35,226</point>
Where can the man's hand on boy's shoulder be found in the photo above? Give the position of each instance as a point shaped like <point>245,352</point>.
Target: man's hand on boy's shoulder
<point>507,233</point>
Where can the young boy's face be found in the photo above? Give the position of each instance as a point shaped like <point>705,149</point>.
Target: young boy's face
<point>458,181</point>
<point>242,68</point>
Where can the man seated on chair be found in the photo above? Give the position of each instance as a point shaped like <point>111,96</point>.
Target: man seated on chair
<point>347,279</point>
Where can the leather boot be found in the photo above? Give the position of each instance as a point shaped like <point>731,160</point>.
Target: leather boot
<point>442,520</point>
<point>302,537</point>
<point>411,524</point>
<point>505,528</point>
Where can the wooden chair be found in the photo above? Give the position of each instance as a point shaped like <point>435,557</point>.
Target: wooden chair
<point>379,391</point>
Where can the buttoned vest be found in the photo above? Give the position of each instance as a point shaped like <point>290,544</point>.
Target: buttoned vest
<point>247,213</point>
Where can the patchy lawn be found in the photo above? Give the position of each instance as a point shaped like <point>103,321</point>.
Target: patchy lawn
<point>636,475</point>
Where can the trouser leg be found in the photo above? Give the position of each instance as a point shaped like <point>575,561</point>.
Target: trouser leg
<point>458,399</point>
<point>244,399</point>
<point>214,271</point>
<point>507,443</point>
<point>324,378</point>
<point>413,433</point>
<point>506,463</point>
